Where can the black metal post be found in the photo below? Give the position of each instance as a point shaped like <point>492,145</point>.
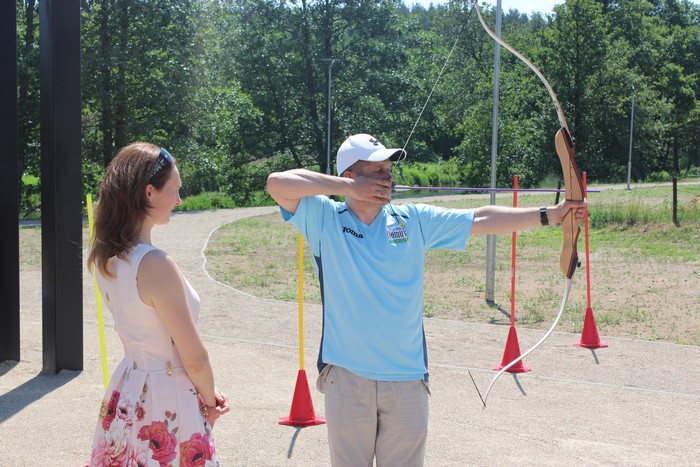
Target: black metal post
<point>9,185</point>
<point>61,185</point>
<point>674,181</point>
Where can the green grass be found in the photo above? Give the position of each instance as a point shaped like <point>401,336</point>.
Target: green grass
<point>633,242</point>
<point>645,275</point>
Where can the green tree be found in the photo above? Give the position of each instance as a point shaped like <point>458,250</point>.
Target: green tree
<point>578,47</point>
<point>237,88</point>
<point>28,103</point>
<point>279,62</point>
<point>138,71</point>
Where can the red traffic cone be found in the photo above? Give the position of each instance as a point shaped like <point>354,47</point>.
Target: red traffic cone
<point>302,411</point>
<point>511,352</point>
<point>589,335</point>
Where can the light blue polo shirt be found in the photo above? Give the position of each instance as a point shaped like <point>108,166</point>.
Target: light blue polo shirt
<point>372,280</point>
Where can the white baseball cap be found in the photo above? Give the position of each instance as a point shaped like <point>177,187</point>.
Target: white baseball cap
<point>364,147</point>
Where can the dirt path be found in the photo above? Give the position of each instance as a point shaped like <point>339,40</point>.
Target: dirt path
<point>633,403</point>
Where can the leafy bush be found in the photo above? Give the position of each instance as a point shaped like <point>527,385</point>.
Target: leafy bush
<point>662,176</point>
<point>206,201</point>
<point>247,184</point>
<point>550,181</point>
<point>30,198</point>
<point>447,174</point>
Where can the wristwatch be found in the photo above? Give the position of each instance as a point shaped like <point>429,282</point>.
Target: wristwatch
<point>543,215</point>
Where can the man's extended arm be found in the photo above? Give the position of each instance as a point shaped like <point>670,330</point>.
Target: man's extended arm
<point>503,219</point>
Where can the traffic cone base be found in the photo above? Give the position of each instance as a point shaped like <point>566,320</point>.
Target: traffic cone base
<point>302,411</point>
<point>589,334</point>
<point>599,345</point>
<point>511,352</point>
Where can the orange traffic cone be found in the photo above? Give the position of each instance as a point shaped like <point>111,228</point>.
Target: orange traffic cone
<point>511,352</point>
<point>302,411</point>
<point>589,335</point>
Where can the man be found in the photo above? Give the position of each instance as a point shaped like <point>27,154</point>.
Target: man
<point>369,254</point>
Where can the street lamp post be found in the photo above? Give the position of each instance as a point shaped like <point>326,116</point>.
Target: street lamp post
<point>629,162</point>
<point>330,62</point>
<point>491,238</point>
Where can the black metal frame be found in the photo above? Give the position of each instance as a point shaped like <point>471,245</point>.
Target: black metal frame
<point>61,185</point>
<point>9,185</point>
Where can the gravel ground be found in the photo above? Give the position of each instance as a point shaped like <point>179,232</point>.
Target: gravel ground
<point>632,403</point>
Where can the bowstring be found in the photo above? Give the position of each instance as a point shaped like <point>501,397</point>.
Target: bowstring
<point>413,129</point>
<point>567,289</point>
<point>437,80</point>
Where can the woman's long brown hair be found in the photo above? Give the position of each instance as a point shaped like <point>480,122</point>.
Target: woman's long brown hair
<point>122,204</point>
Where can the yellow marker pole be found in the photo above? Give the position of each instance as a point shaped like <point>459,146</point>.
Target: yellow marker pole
<point>301,302</point>
<point>302,411</point>
<point>98,299</point>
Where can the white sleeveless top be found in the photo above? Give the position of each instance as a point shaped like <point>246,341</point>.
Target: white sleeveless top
<point>150,413</point>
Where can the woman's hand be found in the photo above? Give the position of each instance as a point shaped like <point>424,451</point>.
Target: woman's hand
<point>222,402</point>
<point>222,406</point>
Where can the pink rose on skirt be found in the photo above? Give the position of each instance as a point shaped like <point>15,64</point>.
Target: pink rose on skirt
<point>195,452</point>
<point>125,411</point>
<point>140,455</point>
<point>161,442</point>
<point>111,410</point>
<point>100,457</point>
<point>112,447</point>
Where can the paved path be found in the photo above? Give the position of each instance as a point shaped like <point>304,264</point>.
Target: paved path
<point>633,403</point>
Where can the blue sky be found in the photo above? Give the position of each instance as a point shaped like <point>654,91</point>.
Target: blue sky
<point>524,6</point>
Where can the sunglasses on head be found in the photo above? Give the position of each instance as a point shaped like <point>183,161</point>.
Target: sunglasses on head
<point>164,159</point>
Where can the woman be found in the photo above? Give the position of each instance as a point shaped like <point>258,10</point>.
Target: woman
<point>161,402</point>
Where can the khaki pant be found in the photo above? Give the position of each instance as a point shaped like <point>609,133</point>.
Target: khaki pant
<point>365,418</point>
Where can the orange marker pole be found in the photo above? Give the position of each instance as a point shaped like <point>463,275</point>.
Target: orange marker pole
<point>589,333</point>
<point>588,263</point>
<point>512,350</point>
<point>512,256</point>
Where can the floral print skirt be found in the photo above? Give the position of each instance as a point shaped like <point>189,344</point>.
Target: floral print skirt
<point>152,418</point>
